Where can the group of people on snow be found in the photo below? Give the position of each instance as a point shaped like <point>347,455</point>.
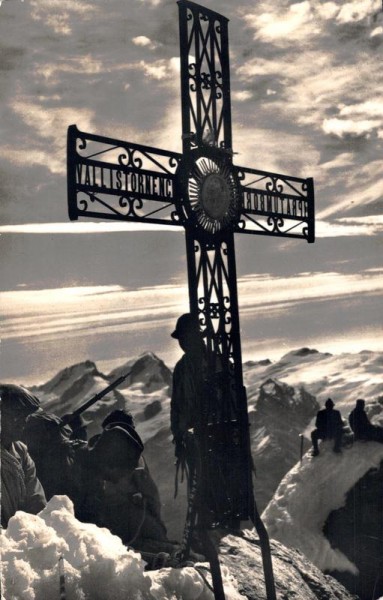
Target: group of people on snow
<point>106,477</point>
<point>329,426</point>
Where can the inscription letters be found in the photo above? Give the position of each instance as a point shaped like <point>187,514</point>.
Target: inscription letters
<point>290,206</point>
<point>123,180</point>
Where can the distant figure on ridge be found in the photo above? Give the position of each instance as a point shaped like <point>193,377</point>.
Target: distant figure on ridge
<point>361,426</point>
<point>20,487</point>
<point>329,425</point>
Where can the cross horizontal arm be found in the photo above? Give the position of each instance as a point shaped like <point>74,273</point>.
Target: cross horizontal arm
<point>275,204</point>
<point>113,179</point>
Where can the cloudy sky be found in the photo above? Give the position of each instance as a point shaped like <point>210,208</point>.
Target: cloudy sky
<point>307,100</point>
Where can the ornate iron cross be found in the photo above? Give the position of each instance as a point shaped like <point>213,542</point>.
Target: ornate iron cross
<point>203,191</point>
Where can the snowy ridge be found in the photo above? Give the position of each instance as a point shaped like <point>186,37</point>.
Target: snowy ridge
<point>310,492</point>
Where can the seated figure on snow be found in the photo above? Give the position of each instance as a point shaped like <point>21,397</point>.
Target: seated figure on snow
<point>361,426</point>
<point>329,425</point>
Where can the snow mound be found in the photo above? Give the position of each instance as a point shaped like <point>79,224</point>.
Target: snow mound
<point>96,563</point>
<point>310,492</point>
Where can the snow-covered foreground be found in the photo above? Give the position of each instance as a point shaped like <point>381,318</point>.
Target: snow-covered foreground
<point>96,563</point>
<point>310,492</point>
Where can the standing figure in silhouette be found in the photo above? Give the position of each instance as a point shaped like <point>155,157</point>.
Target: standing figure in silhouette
<point>329,425</point>
<point>188,385</point>
<point>361,426</point>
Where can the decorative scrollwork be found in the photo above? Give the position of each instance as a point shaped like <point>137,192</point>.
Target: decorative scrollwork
<point>128,158</point>
<point>123,202</point>
<point>272,186</point>
<point>206,81</point>
<point>81,143</point>
<point>173,162</point>
<point>277,223</point>
<point>135,204</point>
<point>83,204</point>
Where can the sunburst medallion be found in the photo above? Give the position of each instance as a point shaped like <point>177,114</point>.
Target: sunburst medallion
<point>213,194</point>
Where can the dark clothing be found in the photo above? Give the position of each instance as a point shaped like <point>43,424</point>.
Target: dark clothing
<point>20,488</point>
<point>129,508</point>
<point>362,428</point>
<point>54,454</point>
<point>329,425</point>
<point>188,379</point>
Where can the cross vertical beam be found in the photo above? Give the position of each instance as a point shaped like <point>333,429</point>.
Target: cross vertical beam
<point>212,199</point>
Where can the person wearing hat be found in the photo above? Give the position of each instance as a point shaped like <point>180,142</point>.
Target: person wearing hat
<point>120,494</point>
<point>329,425</point>
<point>54,453</point>
<point>20,487</point>
<point>361,426</point>
<point>188,380</point>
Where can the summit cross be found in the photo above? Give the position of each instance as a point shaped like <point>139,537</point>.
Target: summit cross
<point>213,199</point>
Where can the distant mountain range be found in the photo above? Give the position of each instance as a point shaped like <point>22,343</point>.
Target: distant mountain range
<point>283,398</point>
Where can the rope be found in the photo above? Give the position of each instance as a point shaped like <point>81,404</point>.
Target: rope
<point>203,577</point>
<point>140,524</point>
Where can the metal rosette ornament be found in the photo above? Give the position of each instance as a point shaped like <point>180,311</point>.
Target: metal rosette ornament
<point>209,194</point>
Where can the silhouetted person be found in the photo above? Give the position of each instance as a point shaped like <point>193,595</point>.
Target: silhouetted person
<point>329,425</point>
<point>116,416</point>
<point>361,426</point>
<point>124,419</point>
<point>20,487</point>
<point>188,388</point>
<point>120,494</point>
<point>54,453</point>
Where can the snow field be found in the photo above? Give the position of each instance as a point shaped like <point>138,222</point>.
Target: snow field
<point>97,565</point>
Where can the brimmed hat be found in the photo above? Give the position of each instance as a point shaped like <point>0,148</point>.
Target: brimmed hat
<point>42,423</point>
<point>186,322</point>
<point>16,396</point>
<point>119,445</point>
<point>118,416</point>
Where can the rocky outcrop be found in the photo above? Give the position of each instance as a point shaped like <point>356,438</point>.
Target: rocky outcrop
<point>295,576</point>
<point>280,415</point>
<point>356,529</point>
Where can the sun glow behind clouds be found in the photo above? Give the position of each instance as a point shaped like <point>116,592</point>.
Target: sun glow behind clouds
<point>324,229</point>
<point>88,311</point>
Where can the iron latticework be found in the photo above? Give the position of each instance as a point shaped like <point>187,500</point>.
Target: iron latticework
<point>212,199</point>
<point>112,179</point>
<point>205,76</point>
